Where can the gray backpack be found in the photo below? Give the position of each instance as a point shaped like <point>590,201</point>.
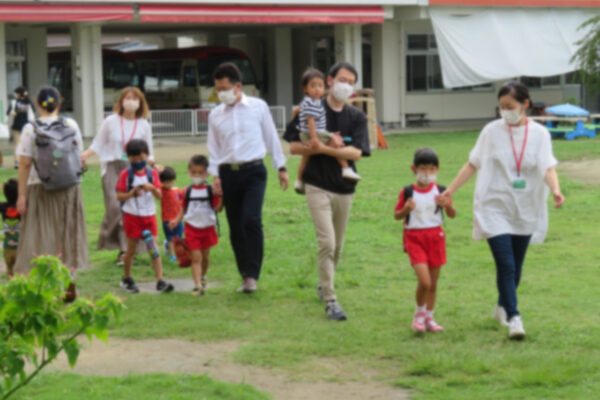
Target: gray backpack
<point>57,159</point>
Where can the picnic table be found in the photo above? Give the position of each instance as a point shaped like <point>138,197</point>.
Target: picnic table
<point>569,127</point>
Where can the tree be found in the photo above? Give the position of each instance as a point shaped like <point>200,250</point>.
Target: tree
<point>36,325</point>
<point>587,57</point>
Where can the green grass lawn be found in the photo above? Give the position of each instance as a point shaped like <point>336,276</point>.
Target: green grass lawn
<point>284,325</point>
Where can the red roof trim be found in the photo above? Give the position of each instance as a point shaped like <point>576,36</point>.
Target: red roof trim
<point>261,15</point>
<point>63,13</point>
<point>516,3</point>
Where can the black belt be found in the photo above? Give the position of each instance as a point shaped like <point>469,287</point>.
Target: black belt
<point>237,167</point>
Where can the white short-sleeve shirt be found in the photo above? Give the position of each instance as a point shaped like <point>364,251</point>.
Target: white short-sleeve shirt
<point>112,138</point>
<point>498,207</point>
<point>26,146</point>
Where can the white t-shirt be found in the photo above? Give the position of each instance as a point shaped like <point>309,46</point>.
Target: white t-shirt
<point>26,146</point>
<point>142,206</point>
<point>111,140</point>
<point>498,207</point>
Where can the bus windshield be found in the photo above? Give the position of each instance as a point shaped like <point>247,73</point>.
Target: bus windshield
<point>208,65</point>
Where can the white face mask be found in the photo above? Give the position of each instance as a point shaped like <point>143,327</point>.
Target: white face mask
<point>131,105</point>
<point>511,117</point>
<point>227,96</point>
<point>342,91</point>
<point>425,179</point>
<point>197,180</point>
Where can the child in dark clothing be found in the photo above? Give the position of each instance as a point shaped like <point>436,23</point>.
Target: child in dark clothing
<point>11,220</point>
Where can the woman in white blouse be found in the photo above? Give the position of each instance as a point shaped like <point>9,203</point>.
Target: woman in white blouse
<point>53,220</point>
<point>515,168</point>
<point>129,121</point>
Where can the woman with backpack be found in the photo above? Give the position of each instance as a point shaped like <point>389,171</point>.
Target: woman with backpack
<point>50,199</point>
<point>128,122</point>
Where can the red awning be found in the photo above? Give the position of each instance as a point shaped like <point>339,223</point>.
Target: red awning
<point>64,13</point>
<point>261,15</point>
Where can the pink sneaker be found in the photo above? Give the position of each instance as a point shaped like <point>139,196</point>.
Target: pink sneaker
<point>418,324</point>
<point>432,326</point>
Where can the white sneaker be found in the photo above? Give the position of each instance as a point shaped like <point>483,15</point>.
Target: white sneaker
<point>515,328</point>
<point>348,173</point>
<point>500,315</point>
<point>299,187</point>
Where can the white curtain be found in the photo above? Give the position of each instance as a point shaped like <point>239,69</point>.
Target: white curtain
<point>478,46</point>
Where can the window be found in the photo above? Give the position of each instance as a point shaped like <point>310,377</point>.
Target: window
<point>169,74</point>
<point>189,76</point>
<point>423,68</point>
<point>149,76</point>
<point>534,82</point>
<point>119,74</point>
<point>208,65</point>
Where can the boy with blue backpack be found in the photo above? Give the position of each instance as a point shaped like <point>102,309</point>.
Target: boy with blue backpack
<point>137,188</point>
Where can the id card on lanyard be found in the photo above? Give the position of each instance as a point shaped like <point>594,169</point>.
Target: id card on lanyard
<point>519,183</point>
<point>124,156</point>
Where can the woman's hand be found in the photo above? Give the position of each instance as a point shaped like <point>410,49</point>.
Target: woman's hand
<point>559,199</point>
<point>22,205</point>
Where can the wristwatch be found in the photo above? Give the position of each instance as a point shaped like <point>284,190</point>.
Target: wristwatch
<point>283,169</point>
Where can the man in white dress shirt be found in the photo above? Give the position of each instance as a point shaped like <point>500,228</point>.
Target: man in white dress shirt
<point>240,131</point>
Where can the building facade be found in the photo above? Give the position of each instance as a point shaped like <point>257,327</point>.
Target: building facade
<point>393,44</point>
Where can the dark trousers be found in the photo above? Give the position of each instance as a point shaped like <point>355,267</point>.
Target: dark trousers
<point>243,195</point>
<point>509,254</point>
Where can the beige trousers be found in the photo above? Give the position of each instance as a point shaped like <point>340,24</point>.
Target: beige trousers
<point>330,212</point>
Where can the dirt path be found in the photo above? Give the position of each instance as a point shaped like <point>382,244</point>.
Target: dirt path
<point>585,171</point>
<point>174,356</point>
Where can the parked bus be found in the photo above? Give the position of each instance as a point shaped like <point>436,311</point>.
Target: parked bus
<point>118,71</point>
<point>182,78</point>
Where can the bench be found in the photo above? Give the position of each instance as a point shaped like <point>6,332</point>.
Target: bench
<point>416,119</point>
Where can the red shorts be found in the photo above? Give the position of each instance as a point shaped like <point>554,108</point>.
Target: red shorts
<point>200,238</point>
<point>134,225</point>
<point>426,246</point>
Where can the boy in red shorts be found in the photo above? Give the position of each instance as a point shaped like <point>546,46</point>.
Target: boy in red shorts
<point>424,238</point>
<point>137,188</point>
<point>200,207</point>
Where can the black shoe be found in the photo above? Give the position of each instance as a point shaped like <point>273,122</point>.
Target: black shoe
<point>164,287</point>
<point>335,312</point>
<point>129,285</point>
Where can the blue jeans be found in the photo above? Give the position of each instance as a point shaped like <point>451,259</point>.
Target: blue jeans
<point>509,254</point>
<point>170,234</point>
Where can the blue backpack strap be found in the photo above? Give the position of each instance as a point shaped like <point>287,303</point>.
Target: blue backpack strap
<point>149,175</point>
<point>130,177</point>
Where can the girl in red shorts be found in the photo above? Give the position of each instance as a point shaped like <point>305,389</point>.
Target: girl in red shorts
<point>199,211</point>
<point>424,238</point>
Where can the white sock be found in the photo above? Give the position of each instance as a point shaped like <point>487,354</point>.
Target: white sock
<point>348,169</point>
<point>421,309</point>
<point>429,313</point>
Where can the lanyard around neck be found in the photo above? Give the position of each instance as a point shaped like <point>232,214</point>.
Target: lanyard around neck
<point>123,132</point>
<point>519,159</point>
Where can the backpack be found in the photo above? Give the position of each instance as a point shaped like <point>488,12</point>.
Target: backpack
<point>182,252</point>
<point>131,177</point>
<point>209,198</point>
<point>57,159</point>
<point>408,193</point>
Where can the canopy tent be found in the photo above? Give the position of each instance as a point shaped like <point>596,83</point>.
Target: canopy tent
<point>478,46</point>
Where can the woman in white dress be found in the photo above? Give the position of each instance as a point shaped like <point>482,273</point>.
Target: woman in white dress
<point>129,121</point>
<point>515,168</point>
